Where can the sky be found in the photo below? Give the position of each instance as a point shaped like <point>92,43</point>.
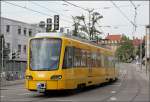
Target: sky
<point>113,21</point>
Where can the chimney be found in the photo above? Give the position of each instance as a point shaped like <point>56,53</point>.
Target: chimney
<point>108,34</point>
<point>133,37</point>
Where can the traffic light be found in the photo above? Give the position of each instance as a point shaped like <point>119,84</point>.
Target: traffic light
<point>13,55</point>
<point>49,25</point>
<point>6,52</point>
<point>56,22</point>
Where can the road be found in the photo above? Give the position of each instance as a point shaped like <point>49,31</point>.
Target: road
<point>130,87</point>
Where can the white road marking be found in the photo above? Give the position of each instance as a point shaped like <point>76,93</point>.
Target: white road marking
<point>113,92</point>
<point>113,98</point>
<point>25,94</point>
<point>2,96</point>
<point>63,100</point>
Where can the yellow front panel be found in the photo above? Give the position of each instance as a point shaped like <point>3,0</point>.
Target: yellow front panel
<point>51,85</point>
<point>32,85</point>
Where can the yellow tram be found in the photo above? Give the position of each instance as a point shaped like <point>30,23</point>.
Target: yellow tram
<point>57,62</point>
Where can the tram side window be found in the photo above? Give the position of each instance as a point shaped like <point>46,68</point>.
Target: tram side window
<point>102,60</point>
<point>93,58</point>
<point>68,58</point>
<point>83,58</point>
<point>88,60</point>
<point>77,57</point>
<point>106,62</point>
<point>98,60</point>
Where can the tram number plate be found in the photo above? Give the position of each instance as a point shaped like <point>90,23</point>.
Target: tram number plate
<point>41,87</point>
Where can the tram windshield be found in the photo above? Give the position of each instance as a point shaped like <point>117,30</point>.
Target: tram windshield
<point>44,53</point>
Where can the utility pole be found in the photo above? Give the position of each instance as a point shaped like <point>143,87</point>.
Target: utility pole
<point>141,53</point>
<point>147,49</point>
<point>2,54</point>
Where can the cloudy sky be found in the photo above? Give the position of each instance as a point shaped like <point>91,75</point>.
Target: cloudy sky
<point>113,21</point>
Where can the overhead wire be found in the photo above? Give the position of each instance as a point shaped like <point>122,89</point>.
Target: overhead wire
<point>31,10</point>
<point>135,15</point>
<point>48,9</point>
<point>75,5</point>
<point>122,13</point>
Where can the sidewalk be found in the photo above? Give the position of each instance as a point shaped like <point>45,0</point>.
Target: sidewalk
<point>142,72</point>
<point>9,83</point>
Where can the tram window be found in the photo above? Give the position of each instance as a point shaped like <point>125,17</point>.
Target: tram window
<point>102,60</point>
<point>106,62</point>
<point>83,58</point>
<point>93,59</point>
<point>98,60</point>
<point>77,57</point>
<point>68,58</point>
<point>89,59</point>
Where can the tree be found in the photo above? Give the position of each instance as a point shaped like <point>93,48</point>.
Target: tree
<point>126,51</point>
<point>80,24</point>
<point>76,26</point>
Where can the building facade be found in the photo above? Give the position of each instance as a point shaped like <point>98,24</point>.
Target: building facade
<point>113,41</point>
<point>16,35</point>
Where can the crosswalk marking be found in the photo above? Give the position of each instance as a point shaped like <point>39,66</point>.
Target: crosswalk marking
<point>113,98</point>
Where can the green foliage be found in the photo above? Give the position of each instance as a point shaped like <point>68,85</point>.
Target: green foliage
<point>126,51</point>
<point>81,24</point>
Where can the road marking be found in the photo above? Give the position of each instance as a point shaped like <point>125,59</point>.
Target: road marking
<point>63,101</point>
<point>25,94</point>
<point>113,92</point>
<point>116,84</point>
<point>113,98</point>
<point>2,96</point>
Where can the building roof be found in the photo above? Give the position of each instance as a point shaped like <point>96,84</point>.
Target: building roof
<point>114,37</point>
<point>136,42</point>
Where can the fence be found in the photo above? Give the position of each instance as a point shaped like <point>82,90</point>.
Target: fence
<point>13,70</point>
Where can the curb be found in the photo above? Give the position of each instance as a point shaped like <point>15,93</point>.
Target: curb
<point>11,83</point>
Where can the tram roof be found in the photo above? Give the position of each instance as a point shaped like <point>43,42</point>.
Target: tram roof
<point>51,34</point>
<point>58,34</point>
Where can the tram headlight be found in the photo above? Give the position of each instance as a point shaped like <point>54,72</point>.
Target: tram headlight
<point>29,77</point>
<point>56,77</point>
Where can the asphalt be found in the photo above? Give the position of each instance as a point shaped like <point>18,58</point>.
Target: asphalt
<point>10,83</point>
<point>130,87</point>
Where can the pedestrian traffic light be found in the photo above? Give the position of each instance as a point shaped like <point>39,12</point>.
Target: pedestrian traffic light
<point>56,22</point>
<point>49,25</point>
<point>6,52</point>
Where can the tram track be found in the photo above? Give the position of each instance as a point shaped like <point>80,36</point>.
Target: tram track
<point>121,88</point>
<point>125,82</point>
<point>139,87</point>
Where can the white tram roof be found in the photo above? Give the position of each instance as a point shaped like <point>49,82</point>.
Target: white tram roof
<point>51,34</point>
<point>58,34</point>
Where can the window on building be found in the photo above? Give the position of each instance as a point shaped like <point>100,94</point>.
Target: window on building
<point>8,45</point>
<point>25,31</point>
<point>30,32</point>
<point>19,30</point>
<point>24,49</point>
<point>7,28</point>
<point>19,48</point>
